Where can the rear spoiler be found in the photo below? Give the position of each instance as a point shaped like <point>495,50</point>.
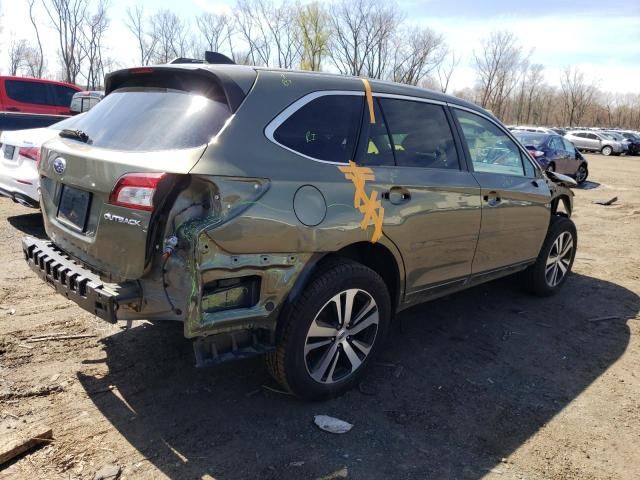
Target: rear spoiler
<point>233,93</point>
<point>214,58</point>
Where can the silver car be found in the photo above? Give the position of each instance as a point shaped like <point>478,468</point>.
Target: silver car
<point>595,142</point>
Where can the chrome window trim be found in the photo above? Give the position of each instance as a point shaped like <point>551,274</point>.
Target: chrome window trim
<point>284,115</point>
<point>273,125</point>
<point>536,168</point>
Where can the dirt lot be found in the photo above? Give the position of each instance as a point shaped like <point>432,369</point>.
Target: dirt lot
<point>487,383</point>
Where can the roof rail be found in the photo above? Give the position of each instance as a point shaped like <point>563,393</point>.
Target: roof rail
<point>185,60</point>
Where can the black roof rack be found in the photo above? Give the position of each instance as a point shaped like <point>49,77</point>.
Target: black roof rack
<point>209,57</point>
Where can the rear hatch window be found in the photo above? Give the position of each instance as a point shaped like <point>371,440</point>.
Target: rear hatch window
<point>149,118</point>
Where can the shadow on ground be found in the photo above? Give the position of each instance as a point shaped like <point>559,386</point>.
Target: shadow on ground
<point>29,223</point>
<point>463,383</point>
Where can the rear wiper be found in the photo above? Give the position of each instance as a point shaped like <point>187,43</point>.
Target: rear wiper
<point>74,134</point>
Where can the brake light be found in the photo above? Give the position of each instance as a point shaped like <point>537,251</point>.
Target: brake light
<point>136,190</point>
<point>140,70</point>
<point>32,153</point>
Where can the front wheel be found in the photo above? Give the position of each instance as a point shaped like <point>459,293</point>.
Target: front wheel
<point>582,174</point>
<point>606,150</point>
<point>331,332</point>
<point>555,260</point>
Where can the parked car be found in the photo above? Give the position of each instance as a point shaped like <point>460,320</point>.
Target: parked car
<point>85,100</point>
<point>532,129</point>
<point>560,131</point>
<point>631,145</point>
<point>23,121</point>
<point>35,95</point>
<point>593,141</point>
<point>554,153</point>
<point>19,157</point>
<point>289,213</point>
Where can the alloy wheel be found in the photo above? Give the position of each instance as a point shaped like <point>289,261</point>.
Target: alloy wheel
<point>559,259</point>
<point>606,151</point>
<point>581,174</point>
<point>341,336</point>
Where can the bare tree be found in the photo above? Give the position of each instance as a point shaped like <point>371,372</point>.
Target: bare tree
<point>91,44</point>
<point>417,53</point>
<point>361,34</point>
<point>282,31</point>
<point>253,31</point>
<point>170,36</point>
<point>445,69</point>
<point>214,29</point>
<point>576,93</point>
<point>499,67</point>
<point>67,18</point>
<point>314,31</point>
<point>17,55</point>
<point>137,24</point>
<point>35,59</point>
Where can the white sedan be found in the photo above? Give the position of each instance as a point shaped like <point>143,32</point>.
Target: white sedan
<point>19,157</point>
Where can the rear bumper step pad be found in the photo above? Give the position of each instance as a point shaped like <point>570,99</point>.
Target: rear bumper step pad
<point>76,282</point>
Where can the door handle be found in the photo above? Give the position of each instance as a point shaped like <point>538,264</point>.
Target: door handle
<point>397,195</point>
<point>492,199</point>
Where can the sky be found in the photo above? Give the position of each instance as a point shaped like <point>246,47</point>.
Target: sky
<point>600,37</point>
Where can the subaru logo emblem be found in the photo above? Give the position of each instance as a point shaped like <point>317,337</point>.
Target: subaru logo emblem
<point>59,165</point>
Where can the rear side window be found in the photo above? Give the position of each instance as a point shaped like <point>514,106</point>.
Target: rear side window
<point>491,150</point>
<point>420,134</point>
<point>61,95</point>
<point>151,119</point>
<point>378,150</point>
<point>556,143</point>
<point>28,92</point>
<point>326,128</point>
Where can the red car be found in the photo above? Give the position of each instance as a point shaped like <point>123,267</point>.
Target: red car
<point>35,95</point>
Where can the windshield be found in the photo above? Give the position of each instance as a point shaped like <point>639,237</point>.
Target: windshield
<point>152,119</point>
<point>535,139</point>
<point>66,123</point>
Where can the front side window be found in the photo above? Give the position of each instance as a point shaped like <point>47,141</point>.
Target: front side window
<point>326,128</point>
<point>568,146</point>
<point>556,144</point>
<point>491,150</point>
<point>420,134</point>
<point>28,92</point>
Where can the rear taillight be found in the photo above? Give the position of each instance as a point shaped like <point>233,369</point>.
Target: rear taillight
<point>136,190</point>
<point>32,153</point>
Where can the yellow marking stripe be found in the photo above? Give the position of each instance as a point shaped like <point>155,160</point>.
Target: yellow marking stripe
<point>370,207</point>
<point>367,91</point>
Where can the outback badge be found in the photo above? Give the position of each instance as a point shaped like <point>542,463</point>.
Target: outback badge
<point>120,219</point>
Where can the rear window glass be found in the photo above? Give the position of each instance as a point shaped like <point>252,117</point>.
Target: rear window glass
<point>325,128</point>
<point>151,119</point>
<point>530,138</point>
<point>28,92</point>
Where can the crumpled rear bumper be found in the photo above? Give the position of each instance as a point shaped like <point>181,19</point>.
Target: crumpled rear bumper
<point>76,282</point>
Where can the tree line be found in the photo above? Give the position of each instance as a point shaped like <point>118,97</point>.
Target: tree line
<point>369,38</point>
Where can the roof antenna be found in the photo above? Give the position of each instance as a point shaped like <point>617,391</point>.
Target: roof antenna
<point>215,57</point>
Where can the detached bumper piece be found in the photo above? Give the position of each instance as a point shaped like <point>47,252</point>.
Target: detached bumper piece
<point>76,282</point>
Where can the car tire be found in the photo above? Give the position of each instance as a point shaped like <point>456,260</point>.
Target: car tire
<point>321,366</point>
<point>606,150</point>
<point>581,174</point>
<point>551,167</point>
<point>555,260</point>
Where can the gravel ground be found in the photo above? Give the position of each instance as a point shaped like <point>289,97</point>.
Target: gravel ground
<point>488,383</point>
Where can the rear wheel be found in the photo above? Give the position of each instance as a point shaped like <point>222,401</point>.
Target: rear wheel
<point>582,174</point>
<point>551,167</point>
<point>331,332</point>
<point>554,262</point>
<point>606,150</point>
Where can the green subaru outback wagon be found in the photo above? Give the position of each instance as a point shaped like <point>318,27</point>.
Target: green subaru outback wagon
<point>289,213</point>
